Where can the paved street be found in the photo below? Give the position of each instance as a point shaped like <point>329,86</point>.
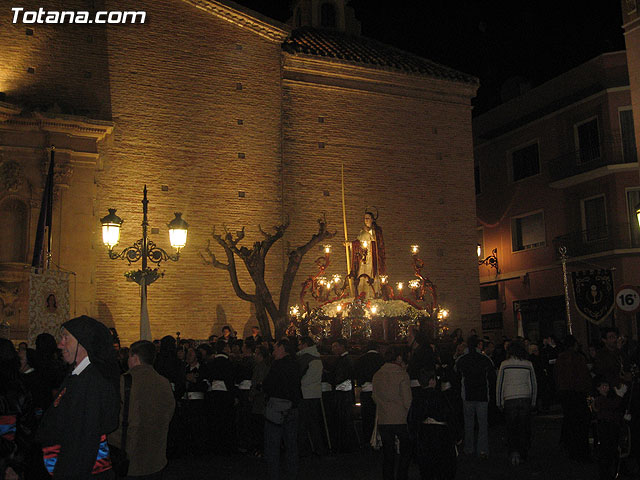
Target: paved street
<point>547,461</point>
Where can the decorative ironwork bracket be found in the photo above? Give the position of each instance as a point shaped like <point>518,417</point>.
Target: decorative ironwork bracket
<point>491,261</point>
<point>135,252</point>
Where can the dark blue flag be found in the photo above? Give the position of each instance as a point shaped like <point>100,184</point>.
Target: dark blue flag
<point>42,246</point>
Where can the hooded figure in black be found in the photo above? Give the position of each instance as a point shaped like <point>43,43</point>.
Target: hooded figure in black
<point>74,428</point>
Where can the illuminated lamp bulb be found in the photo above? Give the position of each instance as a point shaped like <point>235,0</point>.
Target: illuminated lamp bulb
<point>178,232</point>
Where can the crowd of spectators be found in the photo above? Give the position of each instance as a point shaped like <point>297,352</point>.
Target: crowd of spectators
<point>418,401</point>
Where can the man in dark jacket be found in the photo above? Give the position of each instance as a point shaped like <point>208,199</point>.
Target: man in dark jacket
<point>608,362</point>
<point>151,406</point>
<point>172,368</point>
<point>477,373</point>
<point>220,399</point>
<point>74,429</point>
<point>342,426</point>
<point>365,367</point>
<point>573,384</point>
<point>422,358</point>
<point>282,388</point>
<point>192,406</point>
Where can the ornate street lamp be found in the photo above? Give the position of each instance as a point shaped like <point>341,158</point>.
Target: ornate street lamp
<point>491,260</point>
<point>144,250</point>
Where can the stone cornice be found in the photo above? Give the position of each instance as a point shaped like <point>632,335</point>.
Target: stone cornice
<point>301,68</point>
<point>15,119</point>
<point>244,18</point>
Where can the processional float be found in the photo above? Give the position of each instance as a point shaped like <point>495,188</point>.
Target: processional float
<point>362,304</point>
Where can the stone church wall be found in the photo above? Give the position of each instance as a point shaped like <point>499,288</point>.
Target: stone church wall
<point>205,115</point>
<point>197,106</point>
<point>410,157</point>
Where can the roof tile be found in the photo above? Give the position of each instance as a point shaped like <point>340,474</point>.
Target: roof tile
<point>365,51</point>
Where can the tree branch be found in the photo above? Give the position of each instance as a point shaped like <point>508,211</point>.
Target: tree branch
<point>270,239</point>
<point>295,259</point>
<point>228,244</point>
<point>213,261</point>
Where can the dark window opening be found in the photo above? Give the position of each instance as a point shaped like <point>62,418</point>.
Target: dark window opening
<point>525,162</point>
<point>588,141</point>
<point>489,292</point>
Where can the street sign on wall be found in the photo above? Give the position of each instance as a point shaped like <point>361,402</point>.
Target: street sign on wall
<point>628,298</point>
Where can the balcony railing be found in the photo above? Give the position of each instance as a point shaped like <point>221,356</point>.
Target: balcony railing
<point>609,152</point>
<point>597,240</point>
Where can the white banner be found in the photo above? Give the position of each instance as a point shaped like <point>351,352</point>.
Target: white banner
<point>48,303</point>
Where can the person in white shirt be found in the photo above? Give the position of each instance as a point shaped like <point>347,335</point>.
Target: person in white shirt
<point>516,392</point>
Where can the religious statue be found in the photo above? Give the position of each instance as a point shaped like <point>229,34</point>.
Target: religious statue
<point>368,256</point>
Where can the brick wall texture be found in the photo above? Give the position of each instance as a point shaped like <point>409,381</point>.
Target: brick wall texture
<point>207,109</point>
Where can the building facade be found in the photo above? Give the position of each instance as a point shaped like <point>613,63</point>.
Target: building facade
<point>235,120</point>
<point>557,167</point>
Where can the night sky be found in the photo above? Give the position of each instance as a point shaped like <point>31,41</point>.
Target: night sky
<point>495,40</point>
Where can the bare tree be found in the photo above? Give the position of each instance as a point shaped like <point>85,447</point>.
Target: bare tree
<point>254,261</point>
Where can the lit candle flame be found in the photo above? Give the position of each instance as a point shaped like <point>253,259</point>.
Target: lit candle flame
<point>384,279</point>
<point>374,309</point>
<point>415,249</point>
<point>337,278</point>
<point>327,249</point>
<point>295,310</point>
<point>399,285</point>
<point>339,308</point>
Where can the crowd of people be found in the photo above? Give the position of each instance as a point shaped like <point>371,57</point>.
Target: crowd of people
<point>62,415</point>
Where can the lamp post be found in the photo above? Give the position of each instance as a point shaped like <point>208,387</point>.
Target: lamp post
<point>144,250</point>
